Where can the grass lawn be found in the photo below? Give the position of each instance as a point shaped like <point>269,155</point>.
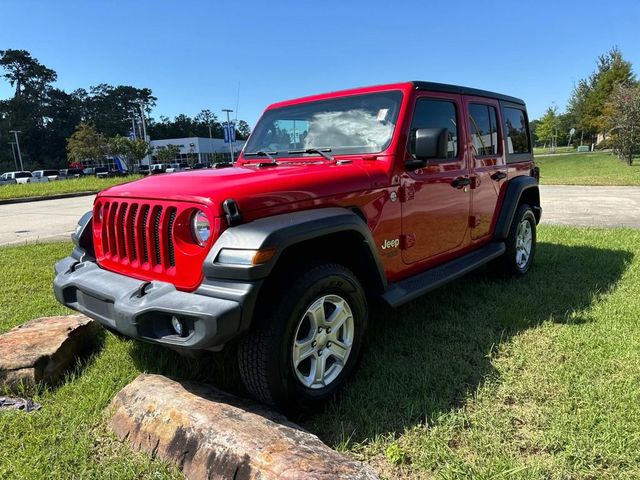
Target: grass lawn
<point>543,151</point>
<point>587,169</point>
<point>83,184</point>
<point>483,378</point>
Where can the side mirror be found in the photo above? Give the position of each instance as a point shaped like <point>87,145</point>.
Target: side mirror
<point>431,143</point>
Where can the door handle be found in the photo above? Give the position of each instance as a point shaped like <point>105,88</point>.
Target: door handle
<point>498,176</point>
<point>461,182</point>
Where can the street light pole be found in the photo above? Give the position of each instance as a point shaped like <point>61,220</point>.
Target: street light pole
<point>13,150</point>
<point>228,111</point>
<point>15,133</point>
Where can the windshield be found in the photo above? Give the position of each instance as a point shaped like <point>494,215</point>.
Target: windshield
<point>355,124</point>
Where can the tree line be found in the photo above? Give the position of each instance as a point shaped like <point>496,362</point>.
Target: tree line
<point>47,117</point>
<point>604,109</point>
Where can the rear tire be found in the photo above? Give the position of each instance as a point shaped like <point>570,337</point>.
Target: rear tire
<point>303,350</point>
<point>520,243</point>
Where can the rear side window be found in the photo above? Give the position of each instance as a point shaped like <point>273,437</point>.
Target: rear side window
<point>515,131</point>
<point>483,125</point>
<point>436,114</point>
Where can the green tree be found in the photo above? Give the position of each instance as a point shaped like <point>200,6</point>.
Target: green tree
<point>86,145</point>
<point>548,126</point>
<point>110,108</point>
<point>138,149</point>
<point>27,110</point>
<point>243,130</point>
<point>24,72</point>
<point>591,95</point>
<point>167,154</point>
<point>624,120</point>
<point>120,146</point>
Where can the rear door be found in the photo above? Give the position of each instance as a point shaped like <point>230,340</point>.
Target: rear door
<point>435,206</point>
<point>488,167</point>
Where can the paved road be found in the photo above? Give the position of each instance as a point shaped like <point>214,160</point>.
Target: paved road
<point>590,206</point>
<point>40,221</point>
<point>561,204</point>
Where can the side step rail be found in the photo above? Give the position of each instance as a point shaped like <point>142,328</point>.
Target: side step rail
<point>410,288</point>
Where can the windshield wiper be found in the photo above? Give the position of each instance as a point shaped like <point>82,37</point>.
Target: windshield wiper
<point>261,153</point>
<point>319,151</point>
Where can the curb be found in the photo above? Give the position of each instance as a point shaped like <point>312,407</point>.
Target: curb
<point>50,197</point>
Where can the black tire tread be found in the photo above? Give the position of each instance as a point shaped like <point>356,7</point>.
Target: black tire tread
<point>254,349</point>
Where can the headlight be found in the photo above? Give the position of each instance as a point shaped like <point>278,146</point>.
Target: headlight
<point>200,227</point>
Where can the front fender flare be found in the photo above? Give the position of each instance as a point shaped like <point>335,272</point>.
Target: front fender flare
<point>281,232</point>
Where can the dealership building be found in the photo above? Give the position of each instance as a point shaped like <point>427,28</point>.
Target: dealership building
<point>205,150</point>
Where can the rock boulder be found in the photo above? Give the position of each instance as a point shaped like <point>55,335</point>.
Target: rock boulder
<point>213,435</point>
<point>43,349</point>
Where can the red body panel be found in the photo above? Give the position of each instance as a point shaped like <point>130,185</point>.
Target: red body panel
<point>432,218</point>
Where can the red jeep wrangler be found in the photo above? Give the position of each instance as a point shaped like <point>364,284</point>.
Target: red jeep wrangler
<point>336,200</point>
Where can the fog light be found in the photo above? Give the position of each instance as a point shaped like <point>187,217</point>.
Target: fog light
<point>177,325</point>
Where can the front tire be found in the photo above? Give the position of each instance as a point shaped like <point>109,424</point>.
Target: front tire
<point>310,340</point>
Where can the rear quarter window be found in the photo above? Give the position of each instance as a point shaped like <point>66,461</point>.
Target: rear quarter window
<point>516,133</point>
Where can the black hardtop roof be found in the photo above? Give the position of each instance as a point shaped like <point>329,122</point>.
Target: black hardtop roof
<point>446,88</point>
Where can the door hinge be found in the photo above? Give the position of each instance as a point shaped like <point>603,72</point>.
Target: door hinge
<point>407,240</point>
<point>475,181</point>
<point>406,193</point>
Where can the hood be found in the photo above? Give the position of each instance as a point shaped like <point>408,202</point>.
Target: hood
<point>252,187</point>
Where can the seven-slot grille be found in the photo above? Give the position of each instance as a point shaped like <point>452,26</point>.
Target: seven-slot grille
<point>138,234</point>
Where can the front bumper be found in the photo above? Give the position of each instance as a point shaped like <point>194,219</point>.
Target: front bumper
<point>212,315</point>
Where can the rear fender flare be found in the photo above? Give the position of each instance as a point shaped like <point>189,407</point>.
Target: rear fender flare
<point>516,189</point>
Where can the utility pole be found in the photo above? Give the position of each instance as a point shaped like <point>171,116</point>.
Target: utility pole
<point>13,150</point>
<point>133,125</point>
<point>15,133</point>
<point>144,133</point>
<point>228,111</point>
<point>144,124</point>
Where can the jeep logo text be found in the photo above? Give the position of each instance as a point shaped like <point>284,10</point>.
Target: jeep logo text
<point>391,243</point>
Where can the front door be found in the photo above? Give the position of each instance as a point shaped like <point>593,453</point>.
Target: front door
<point>436,198</point>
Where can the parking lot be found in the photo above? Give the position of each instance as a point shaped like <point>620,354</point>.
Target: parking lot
<point>41,221</point>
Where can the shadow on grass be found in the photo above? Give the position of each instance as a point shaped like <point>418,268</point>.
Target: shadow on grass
<point>422,359</point>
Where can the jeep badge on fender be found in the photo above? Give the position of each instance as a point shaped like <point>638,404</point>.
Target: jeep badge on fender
<point>391,243</point>
<point>282,250</point>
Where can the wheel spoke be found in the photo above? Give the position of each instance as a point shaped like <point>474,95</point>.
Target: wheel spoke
<point>302,350</point>
<point>338,317</point>
<point>339,351</point>
<point>318,369</point>
<point>316,315</point>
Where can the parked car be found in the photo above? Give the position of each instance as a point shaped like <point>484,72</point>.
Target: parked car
<point>6,180</point>
<point>158,168</point>
<point>19,177</point>
<point>391,192</point>
<point>199,166</point>
<point>49,174</point>
<point>68,173</point>
<point>177,167</point>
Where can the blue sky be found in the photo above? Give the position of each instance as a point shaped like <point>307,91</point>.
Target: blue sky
<point>193,54</point>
